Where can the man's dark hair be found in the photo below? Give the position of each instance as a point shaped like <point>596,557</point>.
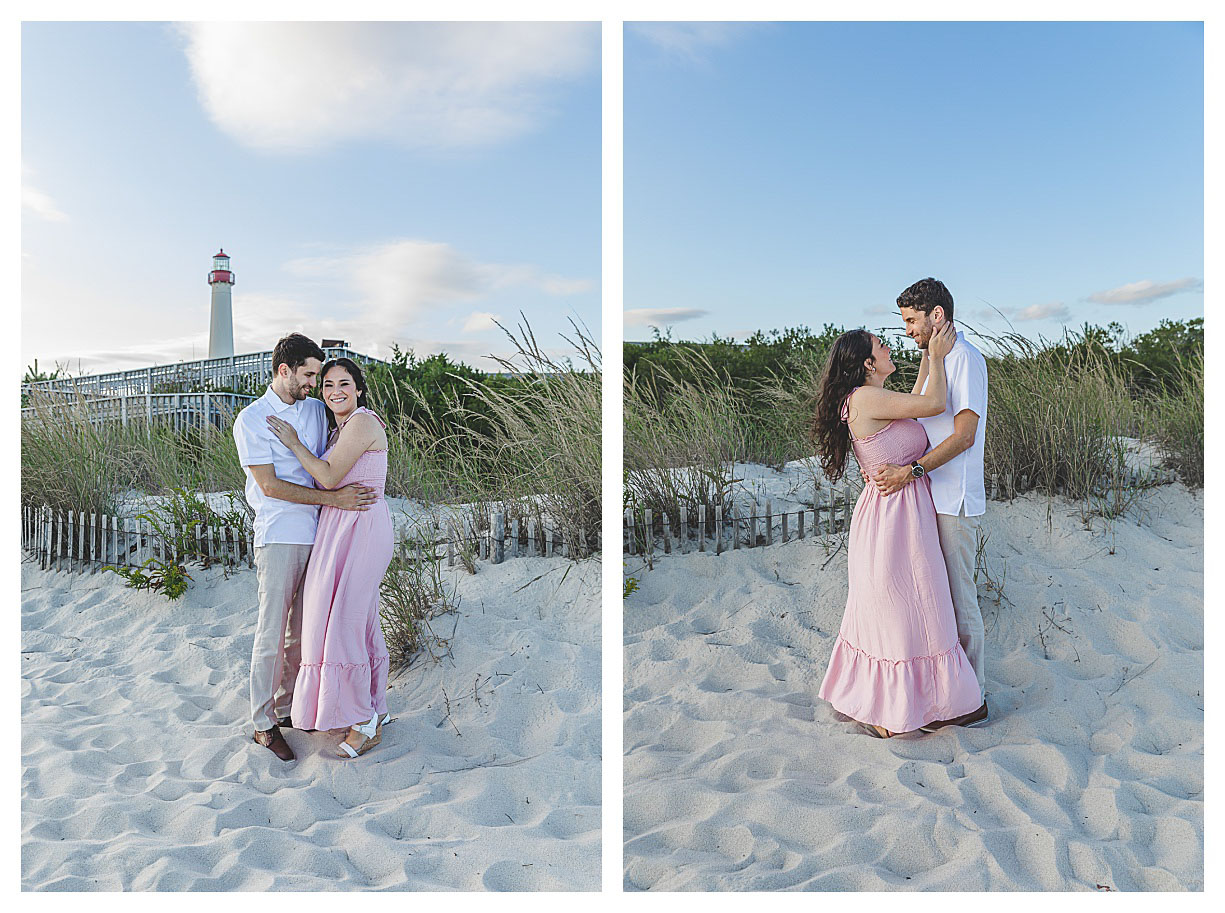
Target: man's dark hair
<point>925,295</point>
<point>293,350</point>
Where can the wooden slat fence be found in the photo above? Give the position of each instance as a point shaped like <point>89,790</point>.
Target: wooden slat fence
<point>86,542</point>
<point>648,533</point>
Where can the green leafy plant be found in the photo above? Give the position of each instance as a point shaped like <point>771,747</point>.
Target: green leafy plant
<point>166,577</point>
<point>183,520</point>
<point>630,588</point>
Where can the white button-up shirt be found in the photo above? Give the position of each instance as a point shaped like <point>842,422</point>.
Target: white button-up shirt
<point>276,520</point>
<point>959,482</point>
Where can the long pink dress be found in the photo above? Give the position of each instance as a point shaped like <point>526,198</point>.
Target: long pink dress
<point>343,676</point>
<point>897,662</point>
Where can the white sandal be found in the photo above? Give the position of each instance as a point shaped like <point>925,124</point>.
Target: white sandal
<point>373,732</point>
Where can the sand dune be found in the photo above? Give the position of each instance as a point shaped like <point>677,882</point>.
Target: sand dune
<point>138,770</point>
<point>1090,772</point>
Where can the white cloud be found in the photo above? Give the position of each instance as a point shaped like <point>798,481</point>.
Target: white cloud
<point>395,282</point>
<point>688,40</point>
<point>646,317</point>
<point>479,321</point>
<point>37,203</point>
<point>292,86</point>
<point>1055,310</point>
<point>1146,291</point>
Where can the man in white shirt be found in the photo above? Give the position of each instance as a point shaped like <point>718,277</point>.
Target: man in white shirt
<point>286,505</point>
<point>954,464</point>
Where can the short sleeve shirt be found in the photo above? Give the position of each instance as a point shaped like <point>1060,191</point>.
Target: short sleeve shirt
<point>959,483</point>
<point>278,521</point>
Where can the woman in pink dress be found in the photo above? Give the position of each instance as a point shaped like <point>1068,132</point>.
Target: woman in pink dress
<point>897,664</point>
<point>342,681</point>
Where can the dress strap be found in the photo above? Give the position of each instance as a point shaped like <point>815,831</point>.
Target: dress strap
<point>846,406</point>
<point>370,412</point>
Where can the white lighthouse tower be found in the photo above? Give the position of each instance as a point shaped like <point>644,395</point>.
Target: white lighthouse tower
<point>221,325</point>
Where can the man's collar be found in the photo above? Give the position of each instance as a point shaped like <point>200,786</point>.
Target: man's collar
<point>278,404</point>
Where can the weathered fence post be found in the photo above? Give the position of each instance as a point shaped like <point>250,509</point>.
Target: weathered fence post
<point>499,536</point>
<point>735,526</point>
<point>650,533</point>
<point>799,522</point>
<point>702,527</point>
<point>846,505</point>
<point>784,527</point>
<point>718,529</point>
<point>753,525</point>
<point>769,523</point>
<point>684,537</point>
<point>667,534</point>
<point>629,531</point>
<point>995,486</point>
<point>514,538</point>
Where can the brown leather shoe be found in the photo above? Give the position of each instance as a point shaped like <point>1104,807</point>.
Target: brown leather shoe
<point>968,719</point>
<point>274,742</point>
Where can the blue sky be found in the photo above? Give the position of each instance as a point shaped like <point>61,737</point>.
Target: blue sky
<point>375,182</point>
<point>804,173</point>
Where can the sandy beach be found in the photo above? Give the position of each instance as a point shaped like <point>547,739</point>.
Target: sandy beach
<point>1088,776</point>
<point>139,773</point>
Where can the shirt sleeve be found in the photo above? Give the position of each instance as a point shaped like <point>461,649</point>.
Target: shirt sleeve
<point>254,448</point>
<point>967,383</point>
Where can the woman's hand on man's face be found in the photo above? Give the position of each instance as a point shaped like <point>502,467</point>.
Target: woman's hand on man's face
<point>942,340</point>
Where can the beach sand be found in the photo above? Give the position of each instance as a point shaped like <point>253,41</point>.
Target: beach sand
<point>1089,774</point>
<point>139,773</point>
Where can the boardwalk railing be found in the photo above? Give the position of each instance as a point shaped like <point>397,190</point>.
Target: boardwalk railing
<point>646,533</point>
<point>182,410</point>
<point>86,542</point>
<point>238,372</point>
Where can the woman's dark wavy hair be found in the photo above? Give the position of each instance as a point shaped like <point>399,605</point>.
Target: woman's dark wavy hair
<point>358,381</point>
<point>844,371</point>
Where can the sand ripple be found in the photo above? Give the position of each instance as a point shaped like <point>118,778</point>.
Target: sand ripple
<point>1089,773</point>
<point>138,770</point>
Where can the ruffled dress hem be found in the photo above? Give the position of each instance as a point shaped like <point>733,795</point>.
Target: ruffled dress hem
<point>334,687</point>
<point>899,694</point>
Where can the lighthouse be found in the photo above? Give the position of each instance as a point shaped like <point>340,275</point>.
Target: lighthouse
<point>221,324</point>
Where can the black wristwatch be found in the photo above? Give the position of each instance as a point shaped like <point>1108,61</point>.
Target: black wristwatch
<point>916,470</point>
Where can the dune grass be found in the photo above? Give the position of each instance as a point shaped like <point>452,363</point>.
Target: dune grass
<point>526,444</point>
<point>1059,419</point>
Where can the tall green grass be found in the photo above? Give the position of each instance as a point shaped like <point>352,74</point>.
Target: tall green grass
<point>1176,421</point>
<point>683,433</point>
<point>526,444</point>
<point>69,462</point>
<point>1058,415</point>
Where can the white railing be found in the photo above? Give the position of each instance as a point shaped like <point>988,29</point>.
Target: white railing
<point>182,410</point>
<point>237,372</point>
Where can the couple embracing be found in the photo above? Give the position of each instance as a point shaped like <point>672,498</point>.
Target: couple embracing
<point>909,653</point>
<point>316,470</point>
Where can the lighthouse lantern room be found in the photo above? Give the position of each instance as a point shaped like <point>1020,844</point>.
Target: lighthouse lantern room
<point>221,323</point>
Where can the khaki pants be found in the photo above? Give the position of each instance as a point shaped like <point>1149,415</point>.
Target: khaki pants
<point>277,652</point>
<point>958,542</point>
